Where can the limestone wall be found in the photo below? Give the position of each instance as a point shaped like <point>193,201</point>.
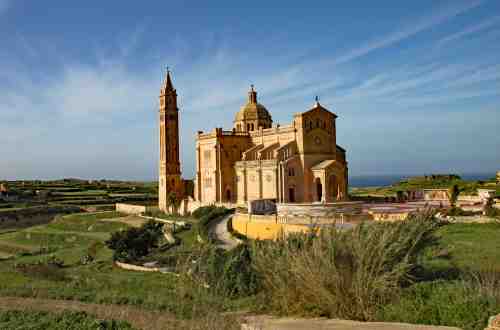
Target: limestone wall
<point>294,210</point>
<point>265,227</point>
<point>134,209</point>
<point>271,227</point>
<point>136,268</point>
<point>388,216</point>
<point>130,209</point>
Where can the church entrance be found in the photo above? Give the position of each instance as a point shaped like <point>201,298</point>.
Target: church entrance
<point>228,195</point>
<point>319,190</point>
<point>291,195</point>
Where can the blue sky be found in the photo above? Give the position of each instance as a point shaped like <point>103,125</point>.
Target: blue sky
<point>416,84</point>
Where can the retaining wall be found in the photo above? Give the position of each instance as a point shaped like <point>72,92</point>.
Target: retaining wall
<point>134,209</point>
<point>136,268</point>
<point>265,227</point>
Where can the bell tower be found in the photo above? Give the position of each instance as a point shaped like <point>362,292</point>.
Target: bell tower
<point>170,173</point>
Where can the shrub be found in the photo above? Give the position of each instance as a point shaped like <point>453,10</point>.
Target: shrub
<point>227,273</point>
<point>134,243</point>
<point>11,320</point>
<point>490,210</point>
<point>342,274</point>
<point>453,195</point>
<point>43,271</point>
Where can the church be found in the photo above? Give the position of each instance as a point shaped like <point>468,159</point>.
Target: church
<point>297,163</point>
<point>256,159</point>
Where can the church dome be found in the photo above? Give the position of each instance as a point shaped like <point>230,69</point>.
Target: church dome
<point>253,110</point>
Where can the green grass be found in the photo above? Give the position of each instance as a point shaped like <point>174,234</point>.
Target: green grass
<point>68,238</point>
<point>468,247</point>
<point>450,303</point>
<point>29,320</point>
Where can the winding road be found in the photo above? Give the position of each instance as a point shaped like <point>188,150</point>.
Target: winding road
<point>223,237</point>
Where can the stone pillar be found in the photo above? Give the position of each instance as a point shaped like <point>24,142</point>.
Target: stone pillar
<point>259,172</point>
<point>245,190</point>
<point>219,173</point>
<point>323,188</point>
<point>278,187</point>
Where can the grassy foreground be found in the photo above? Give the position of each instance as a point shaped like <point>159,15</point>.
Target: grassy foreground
<point>413,272</point>
<point>24,320</point>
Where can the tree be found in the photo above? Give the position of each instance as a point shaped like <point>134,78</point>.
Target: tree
<point>453,195</point>
<point>173,202</point>
<point>134,243</point>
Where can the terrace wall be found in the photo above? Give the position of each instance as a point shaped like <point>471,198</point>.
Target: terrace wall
<point>134,209</point>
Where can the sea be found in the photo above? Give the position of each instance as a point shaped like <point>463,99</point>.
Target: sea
<point>387,180</point>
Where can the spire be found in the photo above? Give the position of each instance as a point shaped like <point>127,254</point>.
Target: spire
<point>167,84</point>
<point>252,95</point>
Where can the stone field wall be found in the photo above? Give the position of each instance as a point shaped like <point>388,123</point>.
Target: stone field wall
<point>134,209</point>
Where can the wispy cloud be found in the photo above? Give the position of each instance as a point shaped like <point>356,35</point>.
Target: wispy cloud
<point>421,25</point>
<point>104,109</point>
<point>472,29</point>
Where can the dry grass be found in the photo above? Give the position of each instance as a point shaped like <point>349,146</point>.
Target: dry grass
<point>485,282</point>
<point>345,274</point>
<point>138,318</point>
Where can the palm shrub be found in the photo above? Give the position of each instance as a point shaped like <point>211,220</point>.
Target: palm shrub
<point>343,274</point>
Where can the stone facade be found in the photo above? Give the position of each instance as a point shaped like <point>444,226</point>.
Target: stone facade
<point>300,162</point>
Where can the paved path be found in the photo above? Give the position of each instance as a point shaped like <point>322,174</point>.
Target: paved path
<point>270,323</point>
<point>223,237</point>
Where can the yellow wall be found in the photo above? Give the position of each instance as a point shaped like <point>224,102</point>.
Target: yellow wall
<point>264,226</point>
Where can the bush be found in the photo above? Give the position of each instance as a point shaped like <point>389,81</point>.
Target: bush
<point>135,243</point>
<point>490,210</point>
<point>11,320</point>
<point>48,270</point>
<point>227,273</point>
<point>342,274</point>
